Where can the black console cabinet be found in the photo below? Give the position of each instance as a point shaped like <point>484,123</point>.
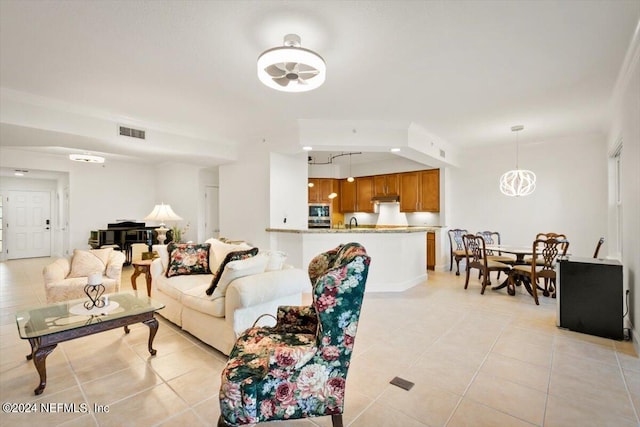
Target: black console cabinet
<point>590,297</point>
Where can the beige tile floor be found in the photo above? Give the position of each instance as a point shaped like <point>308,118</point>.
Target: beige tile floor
<point>476,360</point>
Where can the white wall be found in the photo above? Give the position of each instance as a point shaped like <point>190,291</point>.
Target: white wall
<point>288,189</point>
<point>244,197</point>
<point>626,128</point>
<point>570,197</point>
<point>180,185</point>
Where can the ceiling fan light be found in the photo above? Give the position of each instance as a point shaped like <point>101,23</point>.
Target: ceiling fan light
<point>291,53</point>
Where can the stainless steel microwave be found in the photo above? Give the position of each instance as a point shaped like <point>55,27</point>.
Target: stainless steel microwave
<point>322,210</point>
<point>319,215</point>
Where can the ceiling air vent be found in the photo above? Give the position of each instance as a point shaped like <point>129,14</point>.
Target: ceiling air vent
<point>442,153</point>
<point>133,133</point>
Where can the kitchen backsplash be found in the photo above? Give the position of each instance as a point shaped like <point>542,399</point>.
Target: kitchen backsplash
<point>389,214</point>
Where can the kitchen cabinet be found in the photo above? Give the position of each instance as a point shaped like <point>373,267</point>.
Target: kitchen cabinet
<point>386,185</point>
<point>420,191</point>
<point>356,196</point>
<point>364,192</point>
<point>321,189</point>
<point>431,250</point>
<point>347,195</point>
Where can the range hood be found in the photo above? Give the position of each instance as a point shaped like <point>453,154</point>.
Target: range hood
<point>385,199</point>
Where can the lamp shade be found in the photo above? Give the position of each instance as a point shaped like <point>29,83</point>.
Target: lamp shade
<point>162,213</point>
<point>518,182</point>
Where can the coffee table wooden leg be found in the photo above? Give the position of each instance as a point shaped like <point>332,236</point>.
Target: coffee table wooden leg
<point>153,328</point>
<point>39,356</point>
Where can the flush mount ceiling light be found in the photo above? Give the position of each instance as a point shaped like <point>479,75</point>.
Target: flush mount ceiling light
<point>87,158</point>
<point>517,182</point>
<point>291,68</point>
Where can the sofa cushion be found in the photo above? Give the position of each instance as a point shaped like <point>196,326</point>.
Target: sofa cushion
<point>176,286</point>
<point>188,258</point>
<point>236,269</point>
<point>88,262</point>
<point>197,300</point>
<point>231,256</point>
<point>219,251</point>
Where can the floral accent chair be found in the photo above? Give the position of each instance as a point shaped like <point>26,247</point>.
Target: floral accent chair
<point>298,368</point>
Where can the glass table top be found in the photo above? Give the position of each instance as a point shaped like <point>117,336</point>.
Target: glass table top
<point>63,316</point>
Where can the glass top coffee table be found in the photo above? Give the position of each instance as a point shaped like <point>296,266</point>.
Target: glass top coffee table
<point>48,325</point>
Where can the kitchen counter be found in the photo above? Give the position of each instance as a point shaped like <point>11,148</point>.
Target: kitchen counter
<point>359,230</point>
<point>398,254</point>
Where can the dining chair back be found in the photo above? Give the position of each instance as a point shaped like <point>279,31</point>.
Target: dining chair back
<point>556,236</point>
<point>598,245</point>
<point>456,247</point>
<point>493,238</point>
<point>476,255</point>
<point>545,253</point>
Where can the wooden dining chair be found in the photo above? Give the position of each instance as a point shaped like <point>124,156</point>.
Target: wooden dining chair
<point>545,253</point>
<point>493,238</point>
<point>456,248</point>
<point>476,255</point>
<point>544,236</point>
<point>598,245</point>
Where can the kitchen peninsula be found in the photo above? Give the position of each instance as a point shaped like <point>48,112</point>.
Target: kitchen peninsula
<point>398,254</point>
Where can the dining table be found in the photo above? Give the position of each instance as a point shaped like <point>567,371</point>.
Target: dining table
<point>519,251</point>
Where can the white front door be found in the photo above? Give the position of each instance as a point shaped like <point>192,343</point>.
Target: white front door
<point>28,223</point>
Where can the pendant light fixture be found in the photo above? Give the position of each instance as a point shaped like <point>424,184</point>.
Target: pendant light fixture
<point>350,178</point>
<point>517,182</point>
<point>291,68</point>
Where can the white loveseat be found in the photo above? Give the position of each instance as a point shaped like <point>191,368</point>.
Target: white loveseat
<point>218,320</point>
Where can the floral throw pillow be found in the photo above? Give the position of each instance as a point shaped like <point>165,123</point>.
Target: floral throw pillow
<point>188,258</point>
<point>231,256</point>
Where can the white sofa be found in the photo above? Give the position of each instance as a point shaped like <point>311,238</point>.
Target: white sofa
<point>219,321</point>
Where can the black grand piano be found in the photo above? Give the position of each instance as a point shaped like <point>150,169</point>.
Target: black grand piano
<point>124,234</point>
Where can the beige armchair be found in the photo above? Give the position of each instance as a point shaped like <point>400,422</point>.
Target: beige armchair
<point>65,279</point>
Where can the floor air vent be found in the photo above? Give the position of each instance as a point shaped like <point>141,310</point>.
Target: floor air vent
<point>133,133</point>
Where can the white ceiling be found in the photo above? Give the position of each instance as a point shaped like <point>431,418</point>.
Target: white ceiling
<point>464,70</point>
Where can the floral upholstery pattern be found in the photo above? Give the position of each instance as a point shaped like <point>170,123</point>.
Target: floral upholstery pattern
<point>231,256</point>
<point>298,368</point>
<point>188,258</point>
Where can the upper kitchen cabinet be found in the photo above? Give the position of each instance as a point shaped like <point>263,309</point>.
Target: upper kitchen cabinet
<point>321,189</point>
<point>386,185</point>
<point>420,191</point>
<point>347,195</point>
<point>356,196</point>
<point>364,188</point>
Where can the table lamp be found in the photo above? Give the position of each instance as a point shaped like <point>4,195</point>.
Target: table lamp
<point>162,213</point>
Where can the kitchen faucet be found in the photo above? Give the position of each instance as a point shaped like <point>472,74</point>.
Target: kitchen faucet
<point>353,218</point>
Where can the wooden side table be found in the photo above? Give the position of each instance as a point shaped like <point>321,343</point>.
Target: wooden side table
<point>140,267</point>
